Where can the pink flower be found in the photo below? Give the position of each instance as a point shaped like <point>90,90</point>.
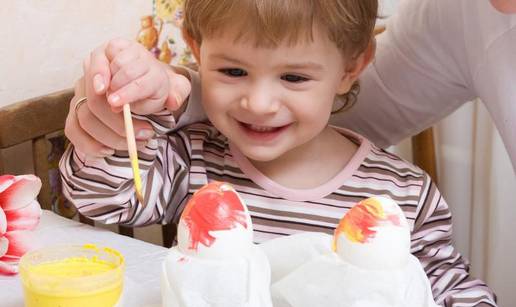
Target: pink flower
<point>19,214</point>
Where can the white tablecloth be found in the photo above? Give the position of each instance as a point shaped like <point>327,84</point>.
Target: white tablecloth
<point>143,260</point>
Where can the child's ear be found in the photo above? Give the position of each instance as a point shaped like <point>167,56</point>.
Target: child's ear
<point>356,67</point>
<point>192,44</point>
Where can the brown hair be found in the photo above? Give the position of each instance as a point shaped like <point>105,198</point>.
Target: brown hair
<point>349,23</point>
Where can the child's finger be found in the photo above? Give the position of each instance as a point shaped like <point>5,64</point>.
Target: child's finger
<point>128,73</point>
<point>180,88</point>
<point>126,57</point>
<point>98,72</point>
<point>115,46</point>
<point>86,64</point>
<point>146,87</point>
<point>148,106</point>
<point>143,131</point>
<point>94,82</point>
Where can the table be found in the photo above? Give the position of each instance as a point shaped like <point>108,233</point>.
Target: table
<point>143,260</point>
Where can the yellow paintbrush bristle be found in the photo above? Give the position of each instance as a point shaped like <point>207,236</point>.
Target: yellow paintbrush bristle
<point>137,179</point>
<point>133,153</point>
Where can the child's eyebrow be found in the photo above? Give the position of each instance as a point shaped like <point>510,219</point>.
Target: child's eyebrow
<point>304,65</point>
<point>218,56</point>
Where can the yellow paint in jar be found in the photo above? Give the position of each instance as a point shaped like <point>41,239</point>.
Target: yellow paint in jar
<point>72,276</point>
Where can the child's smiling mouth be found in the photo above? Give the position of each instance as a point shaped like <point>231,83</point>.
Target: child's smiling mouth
<point>262,133</point>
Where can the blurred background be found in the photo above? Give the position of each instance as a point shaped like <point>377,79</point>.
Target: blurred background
<point>45,41</point>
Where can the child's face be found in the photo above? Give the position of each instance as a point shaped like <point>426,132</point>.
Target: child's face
<point>269,101</point>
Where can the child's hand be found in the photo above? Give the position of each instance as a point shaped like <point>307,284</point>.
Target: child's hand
<point>92,126</point>
<point>129,73</point>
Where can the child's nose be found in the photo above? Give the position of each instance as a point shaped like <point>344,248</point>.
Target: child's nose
<point>260,101</point>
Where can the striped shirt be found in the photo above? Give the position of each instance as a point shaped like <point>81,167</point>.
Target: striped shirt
<point>178,162</point>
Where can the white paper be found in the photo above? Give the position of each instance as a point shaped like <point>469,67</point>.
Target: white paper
<point>196,282</point>
<point>325,279</point>
<point>287,253</point>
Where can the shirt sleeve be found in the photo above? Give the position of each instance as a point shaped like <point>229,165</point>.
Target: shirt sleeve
<point>164,122</point>
<point>194,111</point>
<point>417,77</point>
<point>447,270</point>
<point>103,189</point>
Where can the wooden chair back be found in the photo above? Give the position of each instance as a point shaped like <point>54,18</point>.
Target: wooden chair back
<point>423,152</point>
<point>33,120</point>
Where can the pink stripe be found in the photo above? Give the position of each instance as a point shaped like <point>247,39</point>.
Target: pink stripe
<point>293,207</point>
<point>305,194</point>
<point>390,178</point>
<point>259,195</point>
<point>372,184</point>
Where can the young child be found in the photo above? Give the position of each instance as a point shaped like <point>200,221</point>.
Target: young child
<point>270,73</point>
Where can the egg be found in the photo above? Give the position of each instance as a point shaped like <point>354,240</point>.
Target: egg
<point>215,224</point>
<point>215,262</point>
<point>374,235</point>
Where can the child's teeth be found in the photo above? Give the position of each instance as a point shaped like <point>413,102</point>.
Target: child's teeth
<point>261,128</point>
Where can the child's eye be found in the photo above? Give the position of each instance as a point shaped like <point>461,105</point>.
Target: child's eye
<point>294,78</point>
<point>233,72</point>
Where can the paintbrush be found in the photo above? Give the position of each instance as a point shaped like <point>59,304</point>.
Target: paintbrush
<point>133,153</point>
